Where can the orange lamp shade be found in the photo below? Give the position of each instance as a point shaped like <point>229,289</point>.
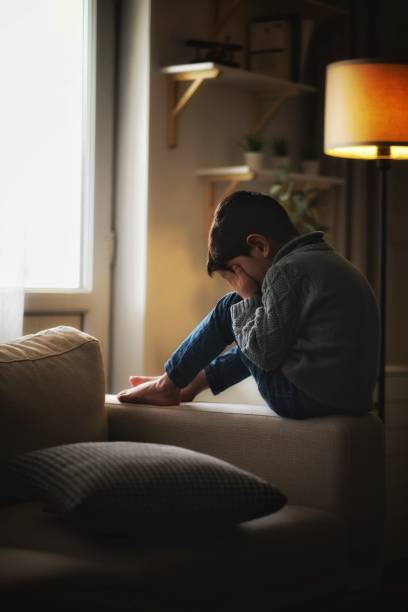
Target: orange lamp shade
<point>366,110</point>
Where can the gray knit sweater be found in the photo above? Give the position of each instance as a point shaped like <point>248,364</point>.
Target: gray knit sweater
<point>317,318</point>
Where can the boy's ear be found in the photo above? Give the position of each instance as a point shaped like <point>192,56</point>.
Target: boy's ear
<point>260,242</point>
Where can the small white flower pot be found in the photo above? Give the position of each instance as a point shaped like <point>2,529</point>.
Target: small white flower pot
<point>281,161</point>
<point>254,159</point>
<point>311,166</point>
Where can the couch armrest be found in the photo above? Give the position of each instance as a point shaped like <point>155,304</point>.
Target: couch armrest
<point>317,462</point>
<point>335,464</point>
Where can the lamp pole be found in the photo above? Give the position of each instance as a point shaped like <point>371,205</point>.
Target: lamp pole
<point>365,118</point>
<point>383,166</point>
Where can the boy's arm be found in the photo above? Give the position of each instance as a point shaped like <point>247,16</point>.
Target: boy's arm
<point>265,326</point>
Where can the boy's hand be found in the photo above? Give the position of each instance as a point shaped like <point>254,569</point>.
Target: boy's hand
<point>241,283</point>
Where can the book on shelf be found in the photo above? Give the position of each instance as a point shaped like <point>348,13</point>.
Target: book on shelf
<point>270,47</point>
<point>279,47</point>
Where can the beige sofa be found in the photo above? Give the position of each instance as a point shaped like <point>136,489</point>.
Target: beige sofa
<point>326,541</point>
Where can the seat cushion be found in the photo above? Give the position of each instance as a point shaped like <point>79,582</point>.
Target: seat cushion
<point>51,391</point>
<point>335,464</point>
<point>288,556</point>
<point>133,487</point>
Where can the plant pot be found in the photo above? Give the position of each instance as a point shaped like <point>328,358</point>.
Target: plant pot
<point>311,166</point>
<point>254,159</point>
<point>281,161</point>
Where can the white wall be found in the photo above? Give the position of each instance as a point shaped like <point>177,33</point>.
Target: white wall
<point>132,121</point>
<point>178,291</point>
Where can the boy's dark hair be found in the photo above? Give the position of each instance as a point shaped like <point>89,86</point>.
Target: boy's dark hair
<point>240,214</point>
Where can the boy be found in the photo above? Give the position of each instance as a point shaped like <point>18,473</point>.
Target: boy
<point>304,320</point>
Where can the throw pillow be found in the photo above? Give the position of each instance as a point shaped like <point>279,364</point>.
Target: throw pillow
<point>123,488</point>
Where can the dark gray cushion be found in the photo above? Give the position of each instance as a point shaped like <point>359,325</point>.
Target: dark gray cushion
<point>130,487</point>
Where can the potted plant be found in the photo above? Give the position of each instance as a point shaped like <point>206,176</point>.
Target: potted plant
<point>299,203</point>
<point>281,157</point>
<point>311,162</point>
<point>253,151</point>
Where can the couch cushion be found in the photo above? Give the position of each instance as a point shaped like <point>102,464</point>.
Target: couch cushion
<point>290,555</point>
<point>51,391</point>
<point>130,487</point>
<point>335,464</point>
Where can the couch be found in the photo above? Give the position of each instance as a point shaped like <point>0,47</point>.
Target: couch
<point>325,542</point>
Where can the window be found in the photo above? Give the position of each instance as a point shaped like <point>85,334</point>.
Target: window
<point>46,150</point>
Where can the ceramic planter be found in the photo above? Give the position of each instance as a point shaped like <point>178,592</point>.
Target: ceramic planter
<point>254,159</point>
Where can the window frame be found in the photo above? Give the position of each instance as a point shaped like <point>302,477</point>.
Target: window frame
<point>93,302</point>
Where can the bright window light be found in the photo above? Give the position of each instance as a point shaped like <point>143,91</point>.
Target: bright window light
<point>44,131</point>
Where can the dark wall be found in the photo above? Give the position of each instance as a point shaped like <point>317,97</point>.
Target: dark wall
<point>374,28</point>
<point>392,42</point>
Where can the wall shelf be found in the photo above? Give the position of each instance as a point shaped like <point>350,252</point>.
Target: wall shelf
<point>259,84</point>
<point>234,175</point>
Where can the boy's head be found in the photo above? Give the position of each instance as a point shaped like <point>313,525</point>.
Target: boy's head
<point>248,229</point>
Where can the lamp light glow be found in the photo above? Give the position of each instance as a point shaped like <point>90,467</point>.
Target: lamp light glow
<point>366,110</point>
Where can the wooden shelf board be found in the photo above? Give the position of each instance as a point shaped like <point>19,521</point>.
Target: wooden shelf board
<point>221,172</point>
<point>244,79</point>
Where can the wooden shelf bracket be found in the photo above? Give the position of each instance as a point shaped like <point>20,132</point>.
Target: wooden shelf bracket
<point>233,176</point>
<point>176,104</point>
<point>232,184</point>
<point>270,92</point>
<point>265,116</point>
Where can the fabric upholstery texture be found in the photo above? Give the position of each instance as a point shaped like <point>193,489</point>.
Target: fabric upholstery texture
<point>335,464</point>
<point>289,555</point>
<point>328,535</point>
<point>130,487</point>
<point>317,318</point>
<point>51,391</point>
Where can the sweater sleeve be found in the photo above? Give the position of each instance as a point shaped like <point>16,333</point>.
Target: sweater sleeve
<point>265,327</point>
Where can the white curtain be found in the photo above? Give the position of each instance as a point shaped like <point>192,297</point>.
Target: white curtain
<point>11,313</point>
<point>14,184</point>
<point>11,271</point>
<point>12,220</point>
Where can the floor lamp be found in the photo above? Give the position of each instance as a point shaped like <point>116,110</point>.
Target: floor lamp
<point>366,117</point>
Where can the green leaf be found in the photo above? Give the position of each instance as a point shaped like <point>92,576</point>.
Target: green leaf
<point>275,189</point>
